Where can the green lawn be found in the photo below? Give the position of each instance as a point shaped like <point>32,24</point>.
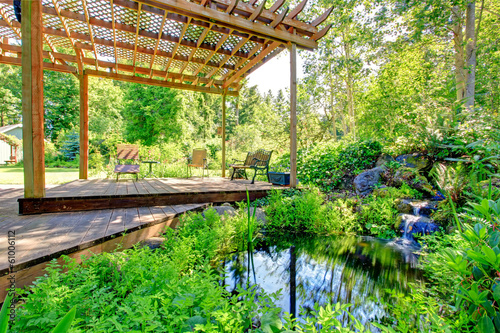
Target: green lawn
<point>14,175</point>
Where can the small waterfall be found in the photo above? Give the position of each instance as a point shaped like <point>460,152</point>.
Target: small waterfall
<point>416,210</point>
<point>408,227</point>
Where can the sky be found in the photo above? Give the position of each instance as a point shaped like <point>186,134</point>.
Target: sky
<point>275,74</point>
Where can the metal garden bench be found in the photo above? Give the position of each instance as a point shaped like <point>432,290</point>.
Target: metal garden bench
<point>257,161</point>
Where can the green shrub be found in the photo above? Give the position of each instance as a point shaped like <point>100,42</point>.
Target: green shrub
<point>326,164</point>
<point>306,211</point>
<point>378,212</point>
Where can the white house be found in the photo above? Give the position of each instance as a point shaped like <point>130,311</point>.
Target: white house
<point>6,150</point>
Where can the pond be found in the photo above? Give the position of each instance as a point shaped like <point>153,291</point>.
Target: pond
<point>355,270</point>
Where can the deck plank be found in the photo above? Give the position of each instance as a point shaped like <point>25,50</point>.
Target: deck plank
<point>145,215</point>
<point>141,189</point>
<point>132,219</point>
<point>98,225</point>
<point>117,222</point>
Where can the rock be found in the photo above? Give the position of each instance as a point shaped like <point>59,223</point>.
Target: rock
<point>226,204</point>
<point>153,243</point>
<point>260,215</point>
<point>421,184</point>
<point>415,160</point>
<point>383,159</point>
<point>424,208</point>
<point>365,182</point>
<point>411,224</point>
<point>403,206</point>
<point>222,210</point>
<point>412,178</point>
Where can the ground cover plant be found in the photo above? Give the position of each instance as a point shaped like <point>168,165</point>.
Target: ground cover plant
<point>173,289</point>
<point>14,175</point>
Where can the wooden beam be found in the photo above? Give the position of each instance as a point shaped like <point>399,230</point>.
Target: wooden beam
<point>322,33</point>
<point>84,126</point>
<point>138,26</point>
<point>16,30</point>
<point>91,32</point>
<point>297,10</point>
<point>113,26</point>
<point>68,35</point>
<point>279,19</point>
<point>233,22</point>
<point>322,17</point>
<point>32,101</point>
<point>155,8</point>
<point>258,58</point>
<point>242,61</point>
<point>157,44</point>
<point>221,42</point>
<point>144,33</point>
<point>224,133</point>
<point>71,204</point>
<point>235,49</point>
<point>245,9</point>
<point>262,62</point>
<point>160,83</point>
<point>231,7</point>
<point>293,115</point>
<point>257,11</point>
<point>176,47</point>
<point>277,5</point>
<point>46,65</point>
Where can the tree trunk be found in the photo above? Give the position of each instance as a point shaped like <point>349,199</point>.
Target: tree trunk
<point>332,110</point>
<point>349,82</point>
<point>458,40</point>
<point>344,124</point>
<point>470,31</point>
<point>237,111</point>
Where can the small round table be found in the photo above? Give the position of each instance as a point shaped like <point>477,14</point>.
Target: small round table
<point>150,173</point>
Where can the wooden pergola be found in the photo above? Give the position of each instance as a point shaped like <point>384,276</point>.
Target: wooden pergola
<point>198,45</point>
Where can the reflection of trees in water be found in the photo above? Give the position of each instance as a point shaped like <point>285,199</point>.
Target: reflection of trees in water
<point>329,270</point>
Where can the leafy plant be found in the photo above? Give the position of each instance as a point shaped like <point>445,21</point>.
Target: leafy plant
<point>452,180</point>
<point>63,326</point>
<point>478,264</point>
<point>378,214</point>
<point>326,164</point>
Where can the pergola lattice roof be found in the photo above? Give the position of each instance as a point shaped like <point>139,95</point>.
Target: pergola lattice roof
<point>195,45</point>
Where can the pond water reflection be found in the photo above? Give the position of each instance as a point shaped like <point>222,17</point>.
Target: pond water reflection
<point>355,270</point>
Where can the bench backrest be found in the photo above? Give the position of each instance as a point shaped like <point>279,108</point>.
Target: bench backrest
<point>127,152</point>
<point>259,158</point>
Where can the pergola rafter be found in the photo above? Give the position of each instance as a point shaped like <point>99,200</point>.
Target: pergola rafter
<point>214,41</point>
<point>198,45</point>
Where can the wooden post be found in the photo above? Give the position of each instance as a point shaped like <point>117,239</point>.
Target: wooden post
<point>32,99</point>
<point>224,133</point>
<point>84,126</point>
<point>293,115</point>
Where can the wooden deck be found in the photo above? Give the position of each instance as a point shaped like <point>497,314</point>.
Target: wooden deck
<point>42,237</point>
<point>108,194</point>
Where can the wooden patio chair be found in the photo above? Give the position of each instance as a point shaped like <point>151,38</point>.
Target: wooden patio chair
<point>198,160</point>
<point>257,161</point>
<point>127,153</point>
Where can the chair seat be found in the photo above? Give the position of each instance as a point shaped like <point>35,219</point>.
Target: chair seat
<point>196,165</point>
<point>237,166</point>
<point>127,168</point>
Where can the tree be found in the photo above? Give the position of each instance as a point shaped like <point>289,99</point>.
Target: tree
<point>151,114</point>
<point>10,95</point>
<point>61,102</point>
<point>105,107</point>
<point>455,18</point>
<point>9,112</point>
